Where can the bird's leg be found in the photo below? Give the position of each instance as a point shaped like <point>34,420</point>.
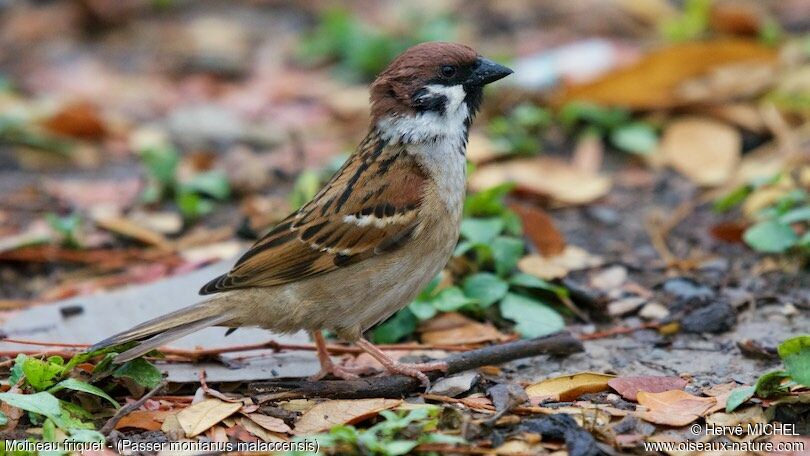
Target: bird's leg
<point>415,370</point>
<point>327,366</point>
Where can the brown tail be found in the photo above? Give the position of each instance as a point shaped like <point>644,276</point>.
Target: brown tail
<point>166,328</point>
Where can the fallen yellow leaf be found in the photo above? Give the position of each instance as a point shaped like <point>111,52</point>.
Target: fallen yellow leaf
<point>702,149</point>
<point>569,387</point>
<point>658,79</point>
<point>572,258</point>
<point>546,177</point>
<point>330,413</point>
<point>199,417</point>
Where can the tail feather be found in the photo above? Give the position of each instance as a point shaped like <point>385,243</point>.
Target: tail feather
<point>166,328</point>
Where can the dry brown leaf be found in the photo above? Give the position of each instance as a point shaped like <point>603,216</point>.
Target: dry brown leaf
<point>330,413</point>
<point>197,418</point>
<point>150,420</point>
<point>629,387</point>
<point>673,408</point>
<point>127,228</point>
<point>79,120</point>
<point>702,149</point>
<point>539,227</point>
<point>654,81</point>
<point>270,423</point>
<point>568,387</point>
<point>261,432</point>
<point>544,176</point>
<point>571,259</point>
<point>452,328</point>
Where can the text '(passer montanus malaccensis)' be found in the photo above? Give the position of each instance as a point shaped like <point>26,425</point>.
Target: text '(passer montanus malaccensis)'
<point>379,231</point>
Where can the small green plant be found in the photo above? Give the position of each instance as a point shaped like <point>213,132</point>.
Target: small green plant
<point>615,125</point>
<point>68,228</point>
<point>491,240</point>
<point>361,50</point>
<point>397,434</point>
<point>41,382</point>
<point>192,197</point>
<point>795,355</point>
<point>691,24</point>
<point>518,132</point>
<point>783,225</point>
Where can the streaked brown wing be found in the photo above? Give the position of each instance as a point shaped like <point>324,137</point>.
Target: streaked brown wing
<point>368,208</point>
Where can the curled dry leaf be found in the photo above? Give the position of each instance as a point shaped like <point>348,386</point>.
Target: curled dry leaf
<point>629,387</point>
<point>673,408</point>
<point>197,418</point>
<point>127,228</point>
<point>270,423</point>
<point>539,227</point>
<point>571,259</point>
<point>656,81</point>
<point>330,413</point>
<point>262,432</point>
<point>544,176</point>
<point>452,328</point>
<point>702,149</point>
<point>78,120</point>
<point>568,387</point>
<point>150,420</point>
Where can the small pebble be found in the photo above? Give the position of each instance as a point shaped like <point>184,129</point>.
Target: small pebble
<point>624,306</point>
<point>653,311</point>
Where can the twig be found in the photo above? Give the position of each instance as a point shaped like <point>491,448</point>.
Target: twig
<point>617,331</point>
<point>562,343</point>
<point>129,408</point>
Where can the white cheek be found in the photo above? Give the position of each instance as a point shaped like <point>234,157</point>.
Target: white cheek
<point>455,96</point>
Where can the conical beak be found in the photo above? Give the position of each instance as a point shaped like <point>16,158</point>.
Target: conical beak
<point>486,71</point>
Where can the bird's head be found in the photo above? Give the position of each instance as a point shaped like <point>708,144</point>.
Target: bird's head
<point>432,88</point>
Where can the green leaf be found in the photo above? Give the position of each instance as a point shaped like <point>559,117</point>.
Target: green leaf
<point>41,403</point>
<point>481,230</point>
<point>734,198</point>
<point>506,252</point>
<point>435,437</point>
<point>141,372</point>
<point>532,318</point>
<point>48,431</point>
<point>635,137</point>
<point>521,279</point>
<point>485,288</point>
<point>16,370</point>
<point>799,214</point>
<point>161,164</point>
<point>795,353</point>
<point>770,236</point>
<point>770,384</point>
<point>41,374</point>
<point>423,310</point>
<point>3,419</point>
<point>192,205</point>
<point>451,299</point>
<point>463,247</point>
<point>738,396</point>
<point>85,435</point>
<point>489,202</point>
<point>402,324</point>
<point>78,385</point>
<point>306,186</point>
<point>211,183</point>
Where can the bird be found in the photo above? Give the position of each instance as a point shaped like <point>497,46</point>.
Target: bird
<point>378,231</point>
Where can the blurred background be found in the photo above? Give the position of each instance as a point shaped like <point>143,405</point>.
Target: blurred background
<point>144,139</point>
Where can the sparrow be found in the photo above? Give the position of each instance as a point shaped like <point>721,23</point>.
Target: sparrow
<point>383,226</point>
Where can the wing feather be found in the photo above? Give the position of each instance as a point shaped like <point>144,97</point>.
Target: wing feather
<point>368,208</point>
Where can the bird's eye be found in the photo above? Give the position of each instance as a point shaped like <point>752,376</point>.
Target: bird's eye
<point>448,71</point>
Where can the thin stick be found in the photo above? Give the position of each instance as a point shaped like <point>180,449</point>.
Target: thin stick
<point>395,386</point>
<point>618,331</point>
<point>129,408</point>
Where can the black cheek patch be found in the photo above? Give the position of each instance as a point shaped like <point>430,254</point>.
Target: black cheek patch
<point>423,101</point>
